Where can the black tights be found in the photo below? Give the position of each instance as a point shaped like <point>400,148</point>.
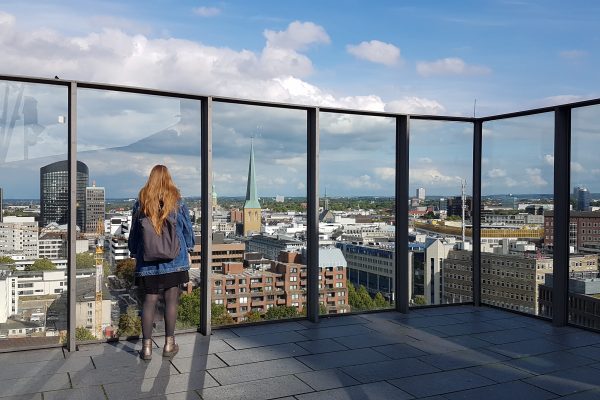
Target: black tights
<point>149,308</point>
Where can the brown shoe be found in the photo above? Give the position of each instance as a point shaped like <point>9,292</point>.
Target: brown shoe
<point>146,353</point>
<point>171,348</point>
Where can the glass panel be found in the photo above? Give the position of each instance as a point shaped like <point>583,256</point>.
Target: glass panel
<point>440,187</point>
<point>517,198</point>
<point>584,224</point>
<point>121,136</point>
<point>259,214</point>
<point>357,187</point>
<point>33,214</point>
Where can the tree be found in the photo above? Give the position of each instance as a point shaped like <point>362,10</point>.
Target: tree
<point>253,316</point>
<point>380,301</point>
<point>130,324</point>
<point>219,315</point>
<point>281,312</point>
<point>322,309</point>
<point>6,260</point>
<point>188,311</point>
<point>419,300</point>
<point>85,260</point>
<point>125,270</point>
<point>41,264</point>
<point>81,334</point>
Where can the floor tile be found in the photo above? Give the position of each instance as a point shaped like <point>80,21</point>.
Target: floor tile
<point>549,362</point>
<point>264,340</point>
<point>258,390</point>
<point>341,358</point>
<point>567,381</point>
<point>500,372</point>
<point>440,383</point>
<point>88,393</point>
<point>321,346</point>
<point>327,379</point>
<point>257,354</point>
<point>259,370</point>
<point>506,391</point>
<point>160,385</point>
<point>334,332</point>
<point>371,391</point>
<point>385,370</point>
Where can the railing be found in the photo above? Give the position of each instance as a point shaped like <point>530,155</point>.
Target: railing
<point>78,99</point>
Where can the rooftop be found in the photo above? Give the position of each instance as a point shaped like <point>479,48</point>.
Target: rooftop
<point>459,352</point>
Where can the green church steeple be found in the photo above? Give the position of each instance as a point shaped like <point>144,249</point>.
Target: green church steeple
<point>251,195</point>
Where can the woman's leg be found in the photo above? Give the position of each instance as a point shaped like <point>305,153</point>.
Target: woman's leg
<point>171,303</point>
<point>148,309</point>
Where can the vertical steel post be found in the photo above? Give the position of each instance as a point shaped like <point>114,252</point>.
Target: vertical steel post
<point>312,215</point>
<point>402,269</point>
<point>206,214</point>
<point>562,184</point>
<point>476,211</point>
<point>72,226</point>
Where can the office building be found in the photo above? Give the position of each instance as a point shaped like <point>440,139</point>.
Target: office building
<point>421,193</point>
<point>94,208</point>
<point>54,193</point>
<point>19,240</point>
<point>584,229</point>
<point>584,199</point>
<point>1,204</point>
<point>507,281</point>
<point>271,246</point>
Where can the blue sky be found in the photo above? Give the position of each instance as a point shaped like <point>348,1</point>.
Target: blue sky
<point>433,57</point>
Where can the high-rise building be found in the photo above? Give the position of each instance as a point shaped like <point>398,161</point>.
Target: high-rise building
<point>1,204</point>
<point>94,207</point>
<point>454,206</point>
<point>252,210</point>
<point>583,199</point>
<point>421,193</point>
<point>54,193</point>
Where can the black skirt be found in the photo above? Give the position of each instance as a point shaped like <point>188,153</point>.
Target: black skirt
<point>152,284</point>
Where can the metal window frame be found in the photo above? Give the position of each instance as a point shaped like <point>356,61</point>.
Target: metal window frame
<point>72,225</point>
<point>402,268</point>
<point>206,106</point>
<point>312,215</point>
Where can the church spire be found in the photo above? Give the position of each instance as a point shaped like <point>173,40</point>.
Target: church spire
<point>251,195</point>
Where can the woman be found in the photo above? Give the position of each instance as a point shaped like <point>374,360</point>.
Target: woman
<point>159,199</point>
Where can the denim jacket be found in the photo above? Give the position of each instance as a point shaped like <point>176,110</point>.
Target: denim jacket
<point>185,233</point>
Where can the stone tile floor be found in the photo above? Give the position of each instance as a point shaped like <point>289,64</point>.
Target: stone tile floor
<point>447,353</point>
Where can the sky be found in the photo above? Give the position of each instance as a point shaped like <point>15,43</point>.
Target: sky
<point>434,57</point>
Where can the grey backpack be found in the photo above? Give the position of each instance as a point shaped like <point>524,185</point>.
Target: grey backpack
<point>163,247</point>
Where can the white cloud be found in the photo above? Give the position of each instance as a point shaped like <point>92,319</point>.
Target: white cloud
<point>576,167</point>
<point>535,177</point>
<point>298,36</point>
<point>111,55</point>
<point>450,66</point>
<point>558,100</point>
<point>363,182</point>
<point>207,11</point>
<point>496,173</point>
<point>573,54</point>
<point>376,52</point>
<point>415,105</point>
<point>425,160</point>
<point>429,176</point>
<point>549,159</point>
<point>385,173</point>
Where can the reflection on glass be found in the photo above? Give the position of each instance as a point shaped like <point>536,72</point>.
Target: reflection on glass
<point>440,238</point>
<point>259,216</point>
<point>356,221</point>
<point>33,214</point>
<point>121,137</point>
<point>517,200</point>
<point>584,221</point>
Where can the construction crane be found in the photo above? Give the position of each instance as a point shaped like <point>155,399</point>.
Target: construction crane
<point>99,275</point>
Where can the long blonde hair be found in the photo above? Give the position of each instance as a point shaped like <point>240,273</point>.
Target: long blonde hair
<point>159,196</point>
